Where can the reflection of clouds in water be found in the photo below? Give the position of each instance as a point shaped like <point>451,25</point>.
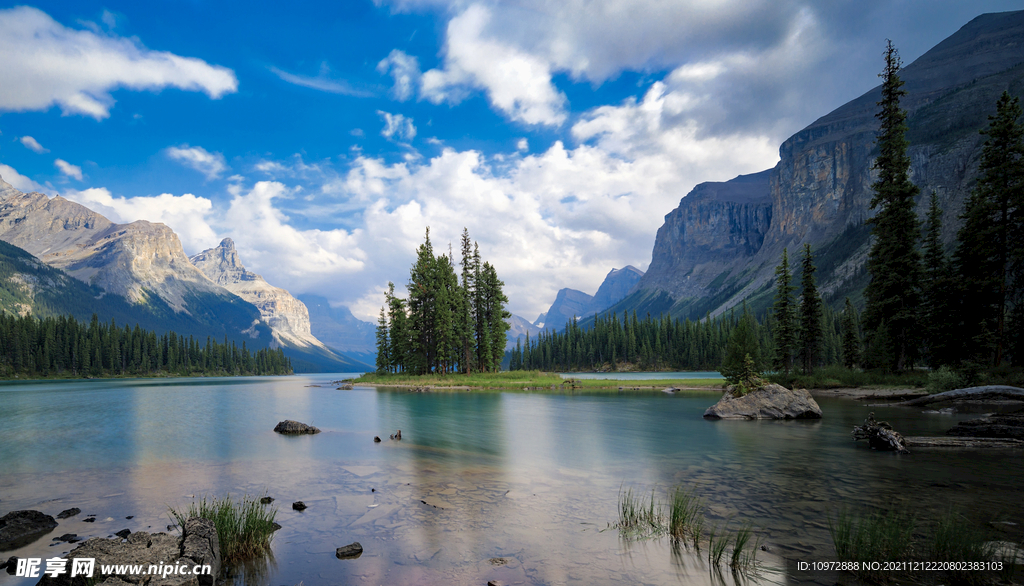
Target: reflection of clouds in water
<point>529,478</point>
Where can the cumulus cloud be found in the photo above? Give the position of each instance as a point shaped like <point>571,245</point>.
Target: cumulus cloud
<point>211,165</point>
<point>397,126</point>
<point>404,70</point>
<point>33,145</point>
<point>517,82</point>
<point>46,63</point>
<point>21,182</point>
<point>189,216</point>
<point>68,169</point>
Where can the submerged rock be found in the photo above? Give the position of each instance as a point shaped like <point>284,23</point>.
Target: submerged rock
<point>19,528</point>
<point>290,427</point>
<point>68,513</point>
<point>266,500</point>
<point>998,425</point>
<point>350,551</point>
<point>299,506</point>
<point>771,401</point>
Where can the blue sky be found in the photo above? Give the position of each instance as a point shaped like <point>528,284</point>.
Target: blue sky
<point>324,137</point>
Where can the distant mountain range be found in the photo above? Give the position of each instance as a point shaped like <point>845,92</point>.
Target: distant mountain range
<point>570,303</point>
<point>59,257</point>
<point>721,245</point>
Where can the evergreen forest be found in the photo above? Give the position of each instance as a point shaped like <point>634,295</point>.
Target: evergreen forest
<point>65,347</point>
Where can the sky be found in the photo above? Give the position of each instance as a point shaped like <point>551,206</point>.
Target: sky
<point>325,137</point>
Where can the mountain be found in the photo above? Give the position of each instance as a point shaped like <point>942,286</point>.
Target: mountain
<point>287,316</point>
<point>140,263</point>
<point>539,322</point>
<point>570,303</point>
<point>340,330</point>
<point>720,246</point>
<point>518,328</point>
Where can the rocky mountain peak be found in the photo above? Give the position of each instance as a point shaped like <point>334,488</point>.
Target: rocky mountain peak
<point>287,316</point>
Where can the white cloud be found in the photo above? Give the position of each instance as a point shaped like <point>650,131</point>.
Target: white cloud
<point>189,216</point>
<point>522,145</point>
<point>33,145</point>
<point>68,169</point>
<point>20,182</point>
<point>211,165</point>
<point>517,82</point>
<point>397,126</point>
<point>322,82</point>
<point>286,256</point>
<point>405,70</point>
<point>46,63</point>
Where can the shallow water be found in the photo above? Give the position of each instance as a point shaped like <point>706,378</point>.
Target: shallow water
<point>644,375</point>
<point>514,487</point>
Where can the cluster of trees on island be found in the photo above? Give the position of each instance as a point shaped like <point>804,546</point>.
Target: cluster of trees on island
<point>445,325</point>
<point>923,305</point>
<point>63,346</point>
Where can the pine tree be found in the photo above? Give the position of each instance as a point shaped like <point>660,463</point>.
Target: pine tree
<point>893,294</point>
<point>989,243</point>
<point>465,320</point>
<point>383,359</point>
<point>422,305</point>
<point>938,312</point>
<point>810,315</point>
<point>398,350</point>
<point>784,311</point>
<point>851,336</point>
<point>743,343</point>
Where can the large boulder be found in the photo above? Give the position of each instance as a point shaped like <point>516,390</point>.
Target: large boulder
<point>294,427</point>
<point>770,401</point>
<point>19,528</point>
<point>198,545</point>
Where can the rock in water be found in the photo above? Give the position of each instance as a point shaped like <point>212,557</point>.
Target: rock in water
<point>299,506</point>
<point>880,435</point>
<point>771,401</point>
<point>19,528</point>
<point>999,425</point>
<point>68,513</point>
<point>289,426</point>
<point>350,551</point>
<point>198,545</point>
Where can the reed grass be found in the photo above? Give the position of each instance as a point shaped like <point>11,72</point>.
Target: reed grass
<point>880,536</point>
<point>245,527</point>
<point>686,515</point>
<point>639,516</point>
<point>718,542</point>
<point>955,539</point>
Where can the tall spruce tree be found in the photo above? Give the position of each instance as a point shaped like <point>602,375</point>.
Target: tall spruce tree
<point>850,336</point>
<point>811,334</point>
<point>383,359</point>
<point>938,290</point>
<point>465,321</point>
<point>785,315</point>
<point>398,321</point>
<point>989,243</point>
<point>894,262</point>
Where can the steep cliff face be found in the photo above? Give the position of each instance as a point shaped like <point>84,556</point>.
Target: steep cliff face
<point>132,260</point>
<point>717,226</point>
<point>616,285</point>
<point>287,316</point>
<point>820,192</point>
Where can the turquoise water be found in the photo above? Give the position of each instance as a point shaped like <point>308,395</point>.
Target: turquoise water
<point>530,478</point>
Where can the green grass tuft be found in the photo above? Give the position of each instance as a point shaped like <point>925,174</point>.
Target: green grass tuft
<point>244,527</point>
<point>880,536</point>
<point>638,516</point>
<point>686,515</point>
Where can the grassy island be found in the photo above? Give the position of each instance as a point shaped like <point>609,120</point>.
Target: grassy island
<point>533,380</point>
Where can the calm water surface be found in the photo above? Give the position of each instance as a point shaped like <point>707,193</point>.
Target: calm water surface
<point>644,375</point>
<point>526,477</point>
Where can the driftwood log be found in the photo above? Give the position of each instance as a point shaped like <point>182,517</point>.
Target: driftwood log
<point>880,435</point>
<point>969,394</point>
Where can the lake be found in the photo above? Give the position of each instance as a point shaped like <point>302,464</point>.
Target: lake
<point>516,487</point>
